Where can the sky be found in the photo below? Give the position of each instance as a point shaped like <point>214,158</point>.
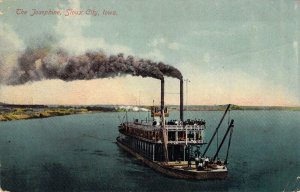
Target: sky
<point>243,52</point>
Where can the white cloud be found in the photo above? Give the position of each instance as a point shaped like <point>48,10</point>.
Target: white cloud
<point>71,30</point>
<point>296,49</point>
<point>157,46</point>
<point>204,33</point>
<point>207,58</point>
<point>154,54</point>
<point>164,43</point>
<point>174,46</point>
<point>157,41</point>
<point>296,5</point>
<point>10,47</point>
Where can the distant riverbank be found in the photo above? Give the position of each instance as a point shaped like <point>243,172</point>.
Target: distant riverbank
<point>19,112</point>
<point>10,112</point>
<point>238,107</point>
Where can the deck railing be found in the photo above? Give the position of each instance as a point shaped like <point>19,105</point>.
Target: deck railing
<point>188,134</point>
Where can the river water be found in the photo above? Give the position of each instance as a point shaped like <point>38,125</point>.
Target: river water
<point>79,153</point>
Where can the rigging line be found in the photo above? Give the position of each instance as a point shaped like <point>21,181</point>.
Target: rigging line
<point>229,142</point>
<point>217,140</point>
<point>214,134</point>
<point>0,175</point>
<point>229,136</point>
<point>228,116</point>
<point>222,142</point>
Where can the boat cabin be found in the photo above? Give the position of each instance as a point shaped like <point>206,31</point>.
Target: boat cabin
<point>147,137</point>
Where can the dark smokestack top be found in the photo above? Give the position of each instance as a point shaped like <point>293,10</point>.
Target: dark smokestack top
<point>162,96</point>
<point>181,100</point>
<point>39,64</point>
<point>169,71</point>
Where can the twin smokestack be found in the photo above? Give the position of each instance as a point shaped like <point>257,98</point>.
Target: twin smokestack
<point>162,98</point>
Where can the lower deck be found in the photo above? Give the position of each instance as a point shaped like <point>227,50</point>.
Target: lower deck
<point>153,150</point>
<point>178,169</point>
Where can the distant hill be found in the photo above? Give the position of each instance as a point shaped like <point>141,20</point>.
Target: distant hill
<point>237,107</point>
<point>22,106</point>
<point>234,107</point>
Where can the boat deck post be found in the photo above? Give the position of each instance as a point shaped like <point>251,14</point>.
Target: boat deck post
<point>184,152</point>
<point>153,150</point>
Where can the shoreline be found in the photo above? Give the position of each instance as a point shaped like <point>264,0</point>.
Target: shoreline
<point>19,112</point>
<point>12,116</point>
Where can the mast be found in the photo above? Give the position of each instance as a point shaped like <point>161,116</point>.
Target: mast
<point>229,142</point>
<point>219,148</point>
<point>212,138</point>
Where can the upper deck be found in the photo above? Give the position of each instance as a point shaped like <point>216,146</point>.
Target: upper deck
<point>179,133</point>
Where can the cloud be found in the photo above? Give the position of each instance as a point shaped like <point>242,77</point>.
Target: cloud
<point>154,54</point>
<point>157,46</point>
<point>157,41</point>
<point>10,47</point>
<point>71,30</point>
<point>164,43</point>
<point>174,46</point>
<point>207,57</point>
<point>296,49</point>
<point>206,33</point>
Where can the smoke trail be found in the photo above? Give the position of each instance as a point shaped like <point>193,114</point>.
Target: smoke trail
<point>169,71</point>
<point>45,63</point>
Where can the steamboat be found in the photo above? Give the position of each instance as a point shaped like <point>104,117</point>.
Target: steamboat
<point>173,147</point>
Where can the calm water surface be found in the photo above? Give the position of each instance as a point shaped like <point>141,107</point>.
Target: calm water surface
<point>79,153</point>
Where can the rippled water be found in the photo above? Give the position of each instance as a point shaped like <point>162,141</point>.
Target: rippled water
<point>79,153</point>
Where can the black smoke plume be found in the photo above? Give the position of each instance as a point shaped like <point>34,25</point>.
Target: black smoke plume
<point>44,63</point>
